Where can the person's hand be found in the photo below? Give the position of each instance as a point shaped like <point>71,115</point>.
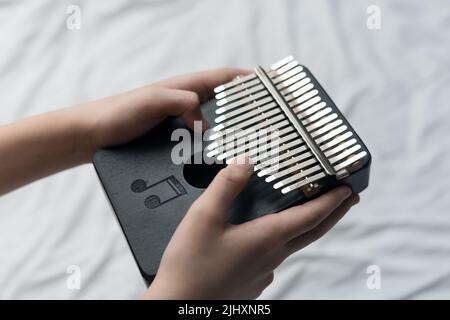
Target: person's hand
<point>121,118</point>
<point>207,258</point>
<point>41,145</point>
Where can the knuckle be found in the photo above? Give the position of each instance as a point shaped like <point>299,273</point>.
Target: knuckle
<point>226,175</point>
<point>192,100</point>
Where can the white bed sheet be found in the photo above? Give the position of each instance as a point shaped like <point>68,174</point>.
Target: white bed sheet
<point>393,85</point>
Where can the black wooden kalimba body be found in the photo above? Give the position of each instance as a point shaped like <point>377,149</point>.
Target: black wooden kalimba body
<point>150,194</point>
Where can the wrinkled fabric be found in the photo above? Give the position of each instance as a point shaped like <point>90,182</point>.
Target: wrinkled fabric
<point>392,84</point>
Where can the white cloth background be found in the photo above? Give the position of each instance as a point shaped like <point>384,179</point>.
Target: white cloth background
<point>393,85</point>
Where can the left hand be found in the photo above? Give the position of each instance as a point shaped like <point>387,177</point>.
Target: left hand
<point>121,118</point>
<point>41,145</point>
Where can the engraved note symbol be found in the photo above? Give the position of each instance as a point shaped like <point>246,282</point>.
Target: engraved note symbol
<point>162,191</point>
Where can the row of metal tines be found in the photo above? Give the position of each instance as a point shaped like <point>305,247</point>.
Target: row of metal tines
<point>246,108</point>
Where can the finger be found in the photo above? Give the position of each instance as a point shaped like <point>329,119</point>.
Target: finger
<point>163,102</point>
<point>228,183</point>
<point>193,118</point>
<point>295,221</point>
<point>203,83</point>
<point>316,233</point>
<point>139,110</point>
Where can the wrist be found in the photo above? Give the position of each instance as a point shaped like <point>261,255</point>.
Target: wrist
<point>167,290</point>
<point>83,134</point>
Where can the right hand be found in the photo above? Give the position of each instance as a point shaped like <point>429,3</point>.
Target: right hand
<point>207,258</point>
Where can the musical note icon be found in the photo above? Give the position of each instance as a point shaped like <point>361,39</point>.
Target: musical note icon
<point>162,191</point>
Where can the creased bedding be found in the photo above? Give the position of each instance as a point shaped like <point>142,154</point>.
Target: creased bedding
<point>393,84</point>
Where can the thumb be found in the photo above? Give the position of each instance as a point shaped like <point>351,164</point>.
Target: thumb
<point>228,183</point>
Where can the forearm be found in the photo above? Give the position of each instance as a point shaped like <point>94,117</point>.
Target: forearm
<point>41,145</point>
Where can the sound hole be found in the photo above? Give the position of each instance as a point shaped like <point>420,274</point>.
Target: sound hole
<point>200,175</point>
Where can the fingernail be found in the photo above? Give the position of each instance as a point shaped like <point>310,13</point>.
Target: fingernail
<point>242,160</point>
<point>347,192</point>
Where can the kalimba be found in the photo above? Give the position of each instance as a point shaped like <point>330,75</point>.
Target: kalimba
<point>281,118</point>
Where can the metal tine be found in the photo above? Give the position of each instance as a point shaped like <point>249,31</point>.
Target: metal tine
<point>250,114</point>
<point>246,108</point>
<point>285,84</point>
<point>312,110</point>
<point>255,85</point>
<point>241,102</point>
<point>318,114</point>
<point>304,182</point>
<point>282,164</point>
<point>252,136</point>
<point>220,148</point>
<point>255,115</point>
<point>231,145</point>
<point>272,72</point>
<point>280,153</point>
<point>307,100</point>
<point>331,135</point>
<point>291,83</point>
<point>245,144</point>
<point>323,121</point>
<point>350,160</point>
<point>233,121</point>
<point>292,87</point>
<point>297,176</point>
<point>285,151</point>
<point>249,147</point>
<point>341,156</point>
<point>273,159</point>
<point>240,133</point>
<point>298,166</point>
<point>262,165</point>
<point>245,86</point>
<point>278,121</point>
<point>235,82</point>
<point>286,139</point>
<point>249,122</point>
<point>283,69</point>
<point>285,76</point>
<point>238,88</point>
<point>305,85</point>
<point>329,153</point>
<point>240,94</point>
<point>240,83</point>
<point>340,147</point>
<point>263,124</point>
<point>326,128</point>
<point>253,154</point>
<point>336,140</point>
<point>281,63</point>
